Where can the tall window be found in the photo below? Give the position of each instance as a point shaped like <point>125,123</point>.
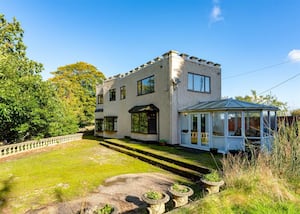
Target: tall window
<point>122,92</point>
<point>235,123</point>
<point>100,99</point>
<point>218,123</point>
<point>110,124</point>
<point>252,124</point>
<point>145,86</point>
<point>143,122</point>
<point>199,83</point>
<point>112,94</point>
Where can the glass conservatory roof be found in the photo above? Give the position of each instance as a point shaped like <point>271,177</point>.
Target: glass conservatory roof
<point>228,104</point>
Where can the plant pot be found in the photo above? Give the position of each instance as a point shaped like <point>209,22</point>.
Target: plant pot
<point>212,186</point>
<point>181,198</point>
<point>156,206</point>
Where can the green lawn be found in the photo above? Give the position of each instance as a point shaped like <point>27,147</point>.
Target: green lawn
<point>72,169</point>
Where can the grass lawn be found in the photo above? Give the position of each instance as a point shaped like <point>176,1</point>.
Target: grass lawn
<point>73,169</point>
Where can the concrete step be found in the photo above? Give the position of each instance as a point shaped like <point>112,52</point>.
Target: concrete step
<point>174,166</point>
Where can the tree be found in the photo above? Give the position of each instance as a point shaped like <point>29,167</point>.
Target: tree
<point>76,86</point>
<point>267,100</point>
<point>296,112</point>
<point>28,105</point>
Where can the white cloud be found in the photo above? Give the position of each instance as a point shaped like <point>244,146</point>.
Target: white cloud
<point>216,13</point>
<point>294,55</point>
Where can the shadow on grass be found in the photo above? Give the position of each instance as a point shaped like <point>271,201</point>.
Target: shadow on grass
<point>5,190</point>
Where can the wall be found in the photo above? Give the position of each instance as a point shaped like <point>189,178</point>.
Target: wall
<point>169,97</point>
<point>13,149</point>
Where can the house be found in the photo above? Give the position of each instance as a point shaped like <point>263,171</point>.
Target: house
<point>177,98</point>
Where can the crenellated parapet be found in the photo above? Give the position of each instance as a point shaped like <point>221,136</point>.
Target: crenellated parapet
<point>165,56</point>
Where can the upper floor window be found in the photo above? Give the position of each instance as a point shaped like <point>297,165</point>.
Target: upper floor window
<point>145,86</point>
<point>112,94</point>
<point>123,93</point>
<point>100,99</point>
<point>199,83</point>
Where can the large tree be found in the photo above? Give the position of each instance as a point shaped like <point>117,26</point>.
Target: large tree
<point>28,105</point>
<point>267,100</point>
<point>76,85</point>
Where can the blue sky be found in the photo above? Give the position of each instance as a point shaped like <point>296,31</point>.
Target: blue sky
<point>257,42</point>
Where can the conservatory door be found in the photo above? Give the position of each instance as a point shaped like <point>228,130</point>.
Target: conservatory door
<point>204,130</point>
<point>199,130</point>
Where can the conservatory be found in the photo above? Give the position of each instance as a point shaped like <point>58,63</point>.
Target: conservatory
<point>227,125</point>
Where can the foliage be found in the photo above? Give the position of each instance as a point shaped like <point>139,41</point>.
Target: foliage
<point>212,176</point>
<point>285,156</point>
<point>153,195</point>
<point>259,183</point>
<point>295,112</point>
<point>107,209</point>
<point>180,188</point>
<point>76,86</point>
<point>28,105</point>
<point>267,100</point>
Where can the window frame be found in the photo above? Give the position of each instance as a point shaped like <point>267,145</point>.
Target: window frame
<point>123,92</point>
<point>100,99</point>
<point>203,85</point>
<point>110,124</point>
<point>112,94</point>
<point>141,86</point>
<point>146,122</point>
<point>99,125</point>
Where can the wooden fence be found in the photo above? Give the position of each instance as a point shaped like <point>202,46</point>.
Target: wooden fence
<point>36,144</point>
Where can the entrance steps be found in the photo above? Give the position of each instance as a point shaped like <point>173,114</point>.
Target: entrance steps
<point>187,170</point>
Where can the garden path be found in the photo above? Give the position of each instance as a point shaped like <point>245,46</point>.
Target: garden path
<point>123,191</point>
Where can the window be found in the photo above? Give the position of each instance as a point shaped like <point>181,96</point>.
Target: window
<point>100,99</point>
<point>198,83</point>
<point>252,124</point>
<point>99,125</point>
<point>145,86</point>
<point>143,122</point>
<point>235,123</point>
<point>110,124</point>
<point>112,94</point>
<point>122,92</point>
<point>218,123</point>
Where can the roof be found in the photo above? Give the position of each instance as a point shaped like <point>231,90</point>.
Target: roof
<point>228,104</point>
<point>143,108</point>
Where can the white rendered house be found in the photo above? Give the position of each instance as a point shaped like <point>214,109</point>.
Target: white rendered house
<point>158,101</point>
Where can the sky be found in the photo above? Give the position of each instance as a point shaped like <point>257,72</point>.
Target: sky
<point>257,42</point>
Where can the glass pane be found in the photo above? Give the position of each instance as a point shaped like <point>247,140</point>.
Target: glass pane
<point>135,122</point>
<point>273,121</point>
<point>194,127</point>
<point>152,123</point>
<point>202,86</point>
<point>218,124</point>
<point>207,84</point>
<point>197,83</point>
<point>234,123</point>
<point>190,82</point>
<point>143,123</point>
<point>252,124</point>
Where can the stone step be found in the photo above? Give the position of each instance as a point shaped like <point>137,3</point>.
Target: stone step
<point>156,160</point>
